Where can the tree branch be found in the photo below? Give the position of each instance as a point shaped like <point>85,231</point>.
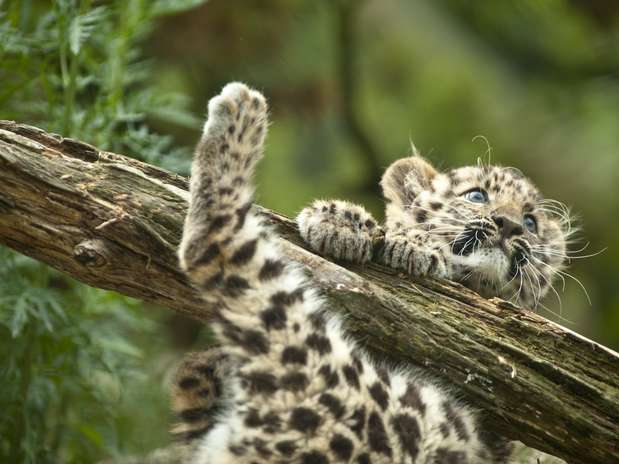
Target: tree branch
<point>114,223</point>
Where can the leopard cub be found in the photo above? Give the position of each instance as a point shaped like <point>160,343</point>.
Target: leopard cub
<point>487,227</point>
<point>286,385</point>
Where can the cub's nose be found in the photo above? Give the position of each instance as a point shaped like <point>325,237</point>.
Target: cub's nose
<point>507,227</point>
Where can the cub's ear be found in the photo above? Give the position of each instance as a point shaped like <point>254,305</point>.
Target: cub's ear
<point>406,178</point>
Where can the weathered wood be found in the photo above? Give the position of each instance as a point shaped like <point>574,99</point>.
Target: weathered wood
<point>114,223</point>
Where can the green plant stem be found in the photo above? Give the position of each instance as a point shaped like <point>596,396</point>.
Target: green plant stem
<point>59,428</point>
<point>346,16</point>
<point>66,69</point>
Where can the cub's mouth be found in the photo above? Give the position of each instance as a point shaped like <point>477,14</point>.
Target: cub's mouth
<point>489,257</point>
<point>475,235</point>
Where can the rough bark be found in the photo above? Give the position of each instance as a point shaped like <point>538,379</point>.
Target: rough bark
<point>113,222</point>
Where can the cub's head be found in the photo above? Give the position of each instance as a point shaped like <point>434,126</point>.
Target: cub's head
<point>491,223</point>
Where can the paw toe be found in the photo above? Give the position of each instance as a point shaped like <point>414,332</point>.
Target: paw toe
<point>221,106</point>
<point>237,91</point>
<point>257,102</point>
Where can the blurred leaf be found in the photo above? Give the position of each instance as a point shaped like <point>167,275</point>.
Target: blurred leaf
<point>19,317</point>
<point>82,26</point>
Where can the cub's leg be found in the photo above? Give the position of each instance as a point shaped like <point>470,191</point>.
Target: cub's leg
<point>346,231</point>
<point>298,390</point>
<point>220,234</point>
<point>339,229</point>
<point>197,393</point>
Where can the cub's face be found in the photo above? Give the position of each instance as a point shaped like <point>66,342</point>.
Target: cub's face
<point>491,223</point>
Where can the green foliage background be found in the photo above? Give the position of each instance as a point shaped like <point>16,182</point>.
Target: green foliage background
<point>350,84</point>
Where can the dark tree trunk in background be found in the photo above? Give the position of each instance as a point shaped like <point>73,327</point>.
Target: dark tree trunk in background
<point>113,222</point>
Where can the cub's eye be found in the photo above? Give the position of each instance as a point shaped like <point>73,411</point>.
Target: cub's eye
<point>530,223</point>
<point>476,195</point>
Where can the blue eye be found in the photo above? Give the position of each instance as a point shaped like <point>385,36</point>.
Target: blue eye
<point>530,223</point>
<point>476,196</point>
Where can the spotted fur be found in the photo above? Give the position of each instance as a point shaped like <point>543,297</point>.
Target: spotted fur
<point>197,393</point>
<point>296,389</point>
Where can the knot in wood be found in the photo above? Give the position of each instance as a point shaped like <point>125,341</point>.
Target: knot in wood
<point>79,149</point>
<point>91,253</point>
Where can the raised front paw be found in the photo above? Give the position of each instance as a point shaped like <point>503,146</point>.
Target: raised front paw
<point>400,252</point>
<point>339,229</point>
<point>236,125</point>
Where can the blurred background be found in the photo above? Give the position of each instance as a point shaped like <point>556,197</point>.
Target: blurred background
<point>527,83</point>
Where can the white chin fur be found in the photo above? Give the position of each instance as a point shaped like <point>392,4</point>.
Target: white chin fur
<point>489,263</point>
